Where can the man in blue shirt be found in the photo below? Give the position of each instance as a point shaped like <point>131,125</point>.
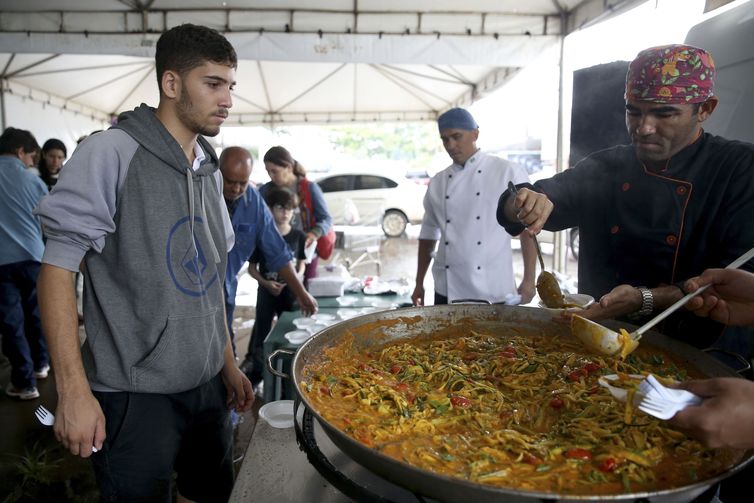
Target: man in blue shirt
<point>254,228</point>
<point>20,256</point>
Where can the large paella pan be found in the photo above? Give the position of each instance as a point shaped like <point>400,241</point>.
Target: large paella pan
<point>376,335</point>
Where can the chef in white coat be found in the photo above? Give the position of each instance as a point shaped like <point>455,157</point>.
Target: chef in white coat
<point>474,258</point>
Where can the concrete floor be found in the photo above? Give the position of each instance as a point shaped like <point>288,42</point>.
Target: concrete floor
<point>397,259</point>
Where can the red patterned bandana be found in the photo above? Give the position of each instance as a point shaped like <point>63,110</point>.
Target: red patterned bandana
<point>671,74</point>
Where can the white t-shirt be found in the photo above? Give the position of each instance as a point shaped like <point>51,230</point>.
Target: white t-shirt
<point>473,259</point>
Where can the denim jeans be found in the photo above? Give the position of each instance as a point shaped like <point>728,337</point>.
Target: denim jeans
<point>21,328</point>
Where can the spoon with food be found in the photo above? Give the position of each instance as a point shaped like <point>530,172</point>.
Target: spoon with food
<point>602,340</point>
<point>548,287</point>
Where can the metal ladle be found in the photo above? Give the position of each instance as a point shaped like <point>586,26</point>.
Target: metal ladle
<point>548,287</point>
<point>604,341</point>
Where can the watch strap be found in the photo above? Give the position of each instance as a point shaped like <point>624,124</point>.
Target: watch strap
<point>647,302</point>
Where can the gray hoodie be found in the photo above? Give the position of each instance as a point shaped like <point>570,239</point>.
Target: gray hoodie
<point>153,235</point>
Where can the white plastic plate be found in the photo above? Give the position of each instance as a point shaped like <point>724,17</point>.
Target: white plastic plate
<point>278,414</point>
<point>297,336</point>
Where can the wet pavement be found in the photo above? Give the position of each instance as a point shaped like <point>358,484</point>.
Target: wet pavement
<point>366,252</point>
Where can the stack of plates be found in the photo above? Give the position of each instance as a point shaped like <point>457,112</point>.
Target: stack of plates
<point>316,327</point>
<point>304,322</point>
<point>383,304</point>
<point>348,313</point>
<point>324,318</point>
<point>346,300</point>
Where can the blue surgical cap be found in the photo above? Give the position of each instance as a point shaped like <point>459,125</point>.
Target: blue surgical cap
<point>456,118</point>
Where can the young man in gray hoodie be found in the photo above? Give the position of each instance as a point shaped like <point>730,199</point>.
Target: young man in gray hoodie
<point>139,209</point>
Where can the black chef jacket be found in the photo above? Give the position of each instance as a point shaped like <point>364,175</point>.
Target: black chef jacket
<point>649,229</point>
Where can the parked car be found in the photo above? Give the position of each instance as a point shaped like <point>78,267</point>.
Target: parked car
<point>420,176</point>
<point>573,241</point>
<point>391,201</point>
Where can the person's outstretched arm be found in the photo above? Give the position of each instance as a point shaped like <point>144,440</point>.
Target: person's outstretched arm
<point>79,421</point>
<point>627,299</point>
<point>305,300</point>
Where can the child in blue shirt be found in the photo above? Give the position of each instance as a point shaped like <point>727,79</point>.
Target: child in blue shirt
<point>273,295</point>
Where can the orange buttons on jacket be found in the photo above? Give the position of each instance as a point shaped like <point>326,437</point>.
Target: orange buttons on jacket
<point>625,186</point>
<point>681,190</point>
<point>614,229</point>
<point>671,239</point>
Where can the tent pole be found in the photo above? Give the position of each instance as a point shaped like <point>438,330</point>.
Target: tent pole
<point>559,243</point>
<point>2,106</point>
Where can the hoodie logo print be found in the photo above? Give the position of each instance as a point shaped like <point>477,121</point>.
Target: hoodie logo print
<point>186,261</point>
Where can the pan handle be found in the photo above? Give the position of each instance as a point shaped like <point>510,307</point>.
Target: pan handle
<point>273,356</point>
<point>470,301</point>
<point>745,365</point>
<point>480,301</point>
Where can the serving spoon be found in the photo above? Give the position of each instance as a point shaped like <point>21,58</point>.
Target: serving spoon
<point>547,284</point>
<point>604,341</point>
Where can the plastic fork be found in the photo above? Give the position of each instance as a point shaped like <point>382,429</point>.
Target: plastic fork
<point>670,394</point>
<point>47,418</point>
<point>663,402</point>
<point>661,409</point>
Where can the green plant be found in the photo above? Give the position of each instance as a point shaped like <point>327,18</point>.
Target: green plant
<point>44,473</point>
<point>33,470</point>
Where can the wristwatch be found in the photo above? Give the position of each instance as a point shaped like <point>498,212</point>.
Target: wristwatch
<point>647,302</point>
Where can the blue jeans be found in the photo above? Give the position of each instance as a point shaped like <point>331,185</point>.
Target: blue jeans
<point>21,328</point>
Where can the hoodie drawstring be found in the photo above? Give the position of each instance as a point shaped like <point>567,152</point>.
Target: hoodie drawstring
<point>190,185</point>
<point>207,234</point>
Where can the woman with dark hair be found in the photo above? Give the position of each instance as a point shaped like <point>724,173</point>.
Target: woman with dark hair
<point>312,216</point>
<point>53,155</point>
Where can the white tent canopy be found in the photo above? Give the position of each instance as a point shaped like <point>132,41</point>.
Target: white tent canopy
<point>314,61</point>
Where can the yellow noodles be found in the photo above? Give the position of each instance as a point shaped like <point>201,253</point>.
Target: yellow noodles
<point>514,410</point>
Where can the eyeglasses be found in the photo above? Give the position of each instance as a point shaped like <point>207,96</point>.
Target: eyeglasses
<point>280,207</point>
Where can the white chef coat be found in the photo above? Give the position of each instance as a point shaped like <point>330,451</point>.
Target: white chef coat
<point>473,259</point>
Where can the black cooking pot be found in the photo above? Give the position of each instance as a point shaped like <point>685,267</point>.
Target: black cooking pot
<point>378,328</point>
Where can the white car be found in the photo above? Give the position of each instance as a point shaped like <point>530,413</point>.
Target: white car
<point>391,201</point>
